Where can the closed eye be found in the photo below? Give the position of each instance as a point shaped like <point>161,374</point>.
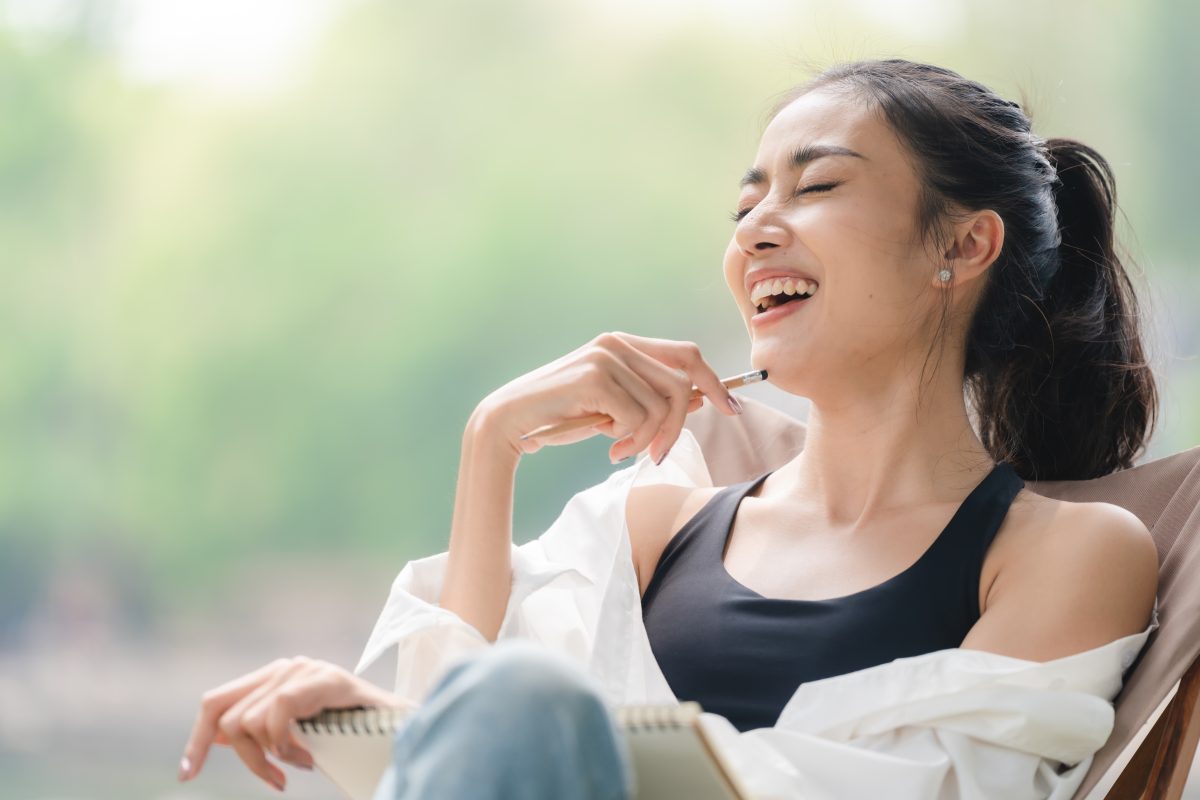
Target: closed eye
<point>816,187</point>
<point>736,216</point>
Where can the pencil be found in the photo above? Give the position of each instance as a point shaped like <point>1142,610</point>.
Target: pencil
<point>736,381</point>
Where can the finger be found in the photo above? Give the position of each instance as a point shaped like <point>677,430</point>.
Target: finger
<point>247,748</point>
<point>303,696</point>
<point>308,692</point>
<point>248,716</point>
<point>685,356</point>
<point>213,705</point>
<point>610,387</point>
<point>256,760</point>
<point>585,385</point>
<point>656,407</point>
<point>673,384</point>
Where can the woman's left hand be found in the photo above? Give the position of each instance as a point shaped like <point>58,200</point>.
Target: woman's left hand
<point>253,713</point>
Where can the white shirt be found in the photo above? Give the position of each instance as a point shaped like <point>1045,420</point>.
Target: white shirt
<point>953,723</point>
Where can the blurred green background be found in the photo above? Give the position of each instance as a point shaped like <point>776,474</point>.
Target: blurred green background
<point>261,259</point>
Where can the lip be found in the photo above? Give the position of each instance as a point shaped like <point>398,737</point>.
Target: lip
<point>756,275</point>
<point>775,313</point>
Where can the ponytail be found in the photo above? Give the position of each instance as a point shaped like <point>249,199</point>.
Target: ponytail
<point>1075,399</point>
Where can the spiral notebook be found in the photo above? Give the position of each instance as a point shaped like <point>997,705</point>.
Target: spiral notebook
<point>673,756</point>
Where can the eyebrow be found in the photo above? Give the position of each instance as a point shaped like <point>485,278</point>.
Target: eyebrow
<point>800,157</point>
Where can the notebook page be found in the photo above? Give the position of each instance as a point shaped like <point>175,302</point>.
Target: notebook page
<point>351,748</point>
<point>672,758</point>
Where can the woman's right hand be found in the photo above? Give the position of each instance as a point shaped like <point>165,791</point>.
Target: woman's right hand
<point>644,384</point>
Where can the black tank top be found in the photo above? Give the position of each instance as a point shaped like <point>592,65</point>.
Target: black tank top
<point>743,655</point>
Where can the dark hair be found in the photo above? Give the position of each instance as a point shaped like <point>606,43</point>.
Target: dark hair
<point>1054,359</point>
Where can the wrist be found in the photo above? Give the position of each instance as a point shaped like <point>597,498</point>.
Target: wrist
<point>488,435</point>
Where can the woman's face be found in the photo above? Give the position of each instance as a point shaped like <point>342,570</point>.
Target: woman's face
<point>847,223</point>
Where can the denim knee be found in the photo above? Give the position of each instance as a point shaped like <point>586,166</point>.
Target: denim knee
<point>523,674</point>
<point>530,717</point>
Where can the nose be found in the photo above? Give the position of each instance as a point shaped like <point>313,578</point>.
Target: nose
<point>758,231</point>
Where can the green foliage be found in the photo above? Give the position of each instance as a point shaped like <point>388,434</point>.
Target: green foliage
<point>234,329</point>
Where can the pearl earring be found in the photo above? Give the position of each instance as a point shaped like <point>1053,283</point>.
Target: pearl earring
<point>944,276</point>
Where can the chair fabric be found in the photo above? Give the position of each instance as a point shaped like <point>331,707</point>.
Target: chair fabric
<point>1164,494</point>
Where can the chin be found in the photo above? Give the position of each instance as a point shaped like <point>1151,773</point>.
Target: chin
<point>785,370</point>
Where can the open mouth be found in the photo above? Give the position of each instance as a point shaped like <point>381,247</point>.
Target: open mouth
<point>769,294</point>
<point>770,301</point>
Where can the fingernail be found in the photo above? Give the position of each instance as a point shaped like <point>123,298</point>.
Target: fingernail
<point>295,757</point>
<point>663,457</point>
<point>185,768</point>
<point>734,405</point>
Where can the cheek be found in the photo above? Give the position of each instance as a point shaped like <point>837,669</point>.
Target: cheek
<point>884,236</point>
<point>732,266</point>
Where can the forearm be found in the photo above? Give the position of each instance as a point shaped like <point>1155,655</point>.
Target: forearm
<point>478,577</point>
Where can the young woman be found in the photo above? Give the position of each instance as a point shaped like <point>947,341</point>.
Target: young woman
<point>909,256</point>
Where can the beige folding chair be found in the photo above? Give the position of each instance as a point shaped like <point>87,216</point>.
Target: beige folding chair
<point>1154,738</point>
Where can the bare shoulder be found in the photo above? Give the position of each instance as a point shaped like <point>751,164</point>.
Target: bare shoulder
<point>654,513</point>
<point>1073,576</point>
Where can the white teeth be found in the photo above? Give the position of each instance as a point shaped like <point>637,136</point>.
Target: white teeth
<point>773,286</point>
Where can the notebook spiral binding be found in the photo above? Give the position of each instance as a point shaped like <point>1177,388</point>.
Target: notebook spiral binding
<point>357,721</point>
<point>380,721</point>
<point>657,717</point>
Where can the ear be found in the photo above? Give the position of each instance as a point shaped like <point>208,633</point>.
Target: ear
<point>976,244</point>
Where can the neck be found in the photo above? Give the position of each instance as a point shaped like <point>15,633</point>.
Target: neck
<point>878,452</point>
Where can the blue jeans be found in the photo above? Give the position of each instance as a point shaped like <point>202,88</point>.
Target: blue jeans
<point>518,721</point>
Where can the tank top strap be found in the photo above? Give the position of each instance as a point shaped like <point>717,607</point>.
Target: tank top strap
<point>701,540</point>
<point>955,559</point>
<point>978,518</point>
<point>711,531</point>
<point>961,546</point>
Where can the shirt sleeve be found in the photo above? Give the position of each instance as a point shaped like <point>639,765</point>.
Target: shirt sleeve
<point>573,589</point>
